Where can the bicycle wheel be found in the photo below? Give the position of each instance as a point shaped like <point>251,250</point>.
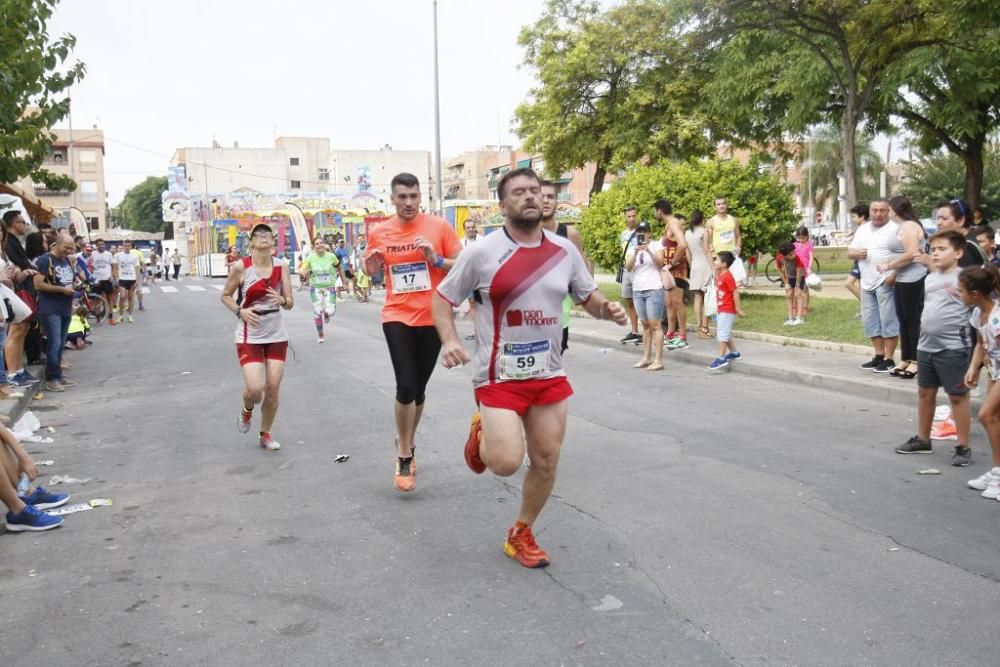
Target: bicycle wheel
<point>771,272</point>
<point>98,309</point>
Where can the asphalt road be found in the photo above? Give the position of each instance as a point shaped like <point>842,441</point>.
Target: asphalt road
<point>698,519</point>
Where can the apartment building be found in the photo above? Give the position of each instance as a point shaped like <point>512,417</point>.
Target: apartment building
<point>78,154</point>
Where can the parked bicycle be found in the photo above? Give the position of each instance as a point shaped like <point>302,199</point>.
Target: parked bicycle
<point>773,274</point>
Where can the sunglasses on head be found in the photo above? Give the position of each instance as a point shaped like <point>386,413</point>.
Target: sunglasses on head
<point>961,206</point>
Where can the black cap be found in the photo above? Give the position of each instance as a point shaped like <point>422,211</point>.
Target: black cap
<point>642,227</point>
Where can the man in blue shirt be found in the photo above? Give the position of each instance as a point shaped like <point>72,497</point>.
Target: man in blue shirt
<point>344,255</point>
<point>54,284</point>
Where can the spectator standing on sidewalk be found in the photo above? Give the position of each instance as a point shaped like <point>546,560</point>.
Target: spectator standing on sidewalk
<point>728,295</point>
<point>979,289</point>
<point>724,235</point>
<point>802,249</point>
<point>955,215</point>
<point>15,228</point>
<point>627,239</point>
<point>910,269</point>
<point>701,268</point>
<point>645,262</point>
<point>943,350</point>
<point>674,263</point>
<point>54,284</point>
<point>984,236</point>
<point>871,247</point>
<point>859,216</point>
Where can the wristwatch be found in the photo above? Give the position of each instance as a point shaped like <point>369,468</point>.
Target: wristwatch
<point>439,262</point>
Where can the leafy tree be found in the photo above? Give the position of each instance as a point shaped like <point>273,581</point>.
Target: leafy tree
<point>758,198</point>
<point>941,177</point>
<point>35,77</point>
<point>610,90</point>
<point>141,208</point>
<point>951,99</point>
<point>827,157</point>
<point>791,63</point>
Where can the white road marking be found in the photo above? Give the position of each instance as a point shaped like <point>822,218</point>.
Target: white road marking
<point>195,288</point>
<point>168,290</point>
<point>218,287</point>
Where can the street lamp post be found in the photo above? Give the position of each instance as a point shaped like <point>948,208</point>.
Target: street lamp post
<point>437,116</point>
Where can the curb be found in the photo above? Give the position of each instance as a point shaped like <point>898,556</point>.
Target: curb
<point>902,395</point>
<point>11,409</point>
<point>784,341</point>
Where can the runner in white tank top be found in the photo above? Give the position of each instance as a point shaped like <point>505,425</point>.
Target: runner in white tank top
<point>264,287</point>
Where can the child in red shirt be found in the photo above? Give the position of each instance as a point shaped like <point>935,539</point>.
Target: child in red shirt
<point>728,300</point>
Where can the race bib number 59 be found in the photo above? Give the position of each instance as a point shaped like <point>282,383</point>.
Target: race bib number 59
<point>410,278</point>
<point>521,361</point>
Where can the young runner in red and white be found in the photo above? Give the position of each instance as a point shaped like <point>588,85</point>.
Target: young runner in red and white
<point>519,276</point>
<point>257,289</point>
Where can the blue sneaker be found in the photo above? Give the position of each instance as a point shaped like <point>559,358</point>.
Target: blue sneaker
<point>43,500</point>
<point>734,355</point>
<point>32,518</point>
<point>22,379</point>
<point>720,362</point>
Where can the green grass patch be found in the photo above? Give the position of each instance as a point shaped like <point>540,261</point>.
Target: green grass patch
<point>829,319</point>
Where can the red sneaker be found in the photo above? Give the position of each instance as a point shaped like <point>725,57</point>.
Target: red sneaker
<point>472,445</point>
<point>521,546</point>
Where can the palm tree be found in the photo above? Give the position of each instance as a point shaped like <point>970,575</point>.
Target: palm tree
<point>828,161</point>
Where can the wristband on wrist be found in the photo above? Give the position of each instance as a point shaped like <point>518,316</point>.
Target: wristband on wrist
<point>439,262</point>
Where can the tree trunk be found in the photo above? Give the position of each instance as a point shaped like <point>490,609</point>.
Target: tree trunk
<point>598,184</point>
<point>849,129</point>
<point>973,159</point>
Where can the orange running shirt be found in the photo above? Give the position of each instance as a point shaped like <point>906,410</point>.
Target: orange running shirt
<point>410,280</point>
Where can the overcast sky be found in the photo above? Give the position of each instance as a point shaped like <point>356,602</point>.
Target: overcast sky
<point>163,75</point>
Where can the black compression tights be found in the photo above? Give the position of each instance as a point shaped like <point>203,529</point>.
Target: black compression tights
<point>414,352</point>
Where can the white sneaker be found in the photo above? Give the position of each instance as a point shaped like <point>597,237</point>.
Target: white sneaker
<point>980,483</point>
<point>789,322</point>
<point>321,339</point>
<point>992,490</point>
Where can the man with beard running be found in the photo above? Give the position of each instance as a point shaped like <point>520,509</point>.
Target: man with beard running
<point>415,250</point>
<point>521,275</point>
<point>320,271</point>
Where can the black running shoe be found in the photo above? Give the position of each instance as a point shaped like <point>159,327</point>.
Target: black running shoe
<point>962,457</point>
<point>873,364</point>
<point>885,367</point>
<point>915,446</point>
<point>629,337</point>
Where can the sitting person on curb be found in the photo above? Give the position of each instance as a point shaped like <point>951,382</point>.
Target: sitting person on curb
<point>24,512</point>
<point>79,329</point>
<point>943,349</point>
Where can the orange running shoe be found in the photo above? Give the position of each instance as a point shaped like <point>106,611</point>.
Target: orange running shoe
<point>472,445</point>
<point>404,476</point>
<point>521,546</point>
<point>413,459</point>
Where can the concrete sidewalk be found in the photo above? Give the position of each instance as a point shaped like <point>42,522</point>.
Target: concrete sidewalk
<point>797,361</point>
<point>814,363</point>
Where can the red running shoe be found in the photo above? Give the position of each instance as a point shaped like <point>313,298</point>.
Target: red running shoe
<point>472,445</point>
<point>521,546</point>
